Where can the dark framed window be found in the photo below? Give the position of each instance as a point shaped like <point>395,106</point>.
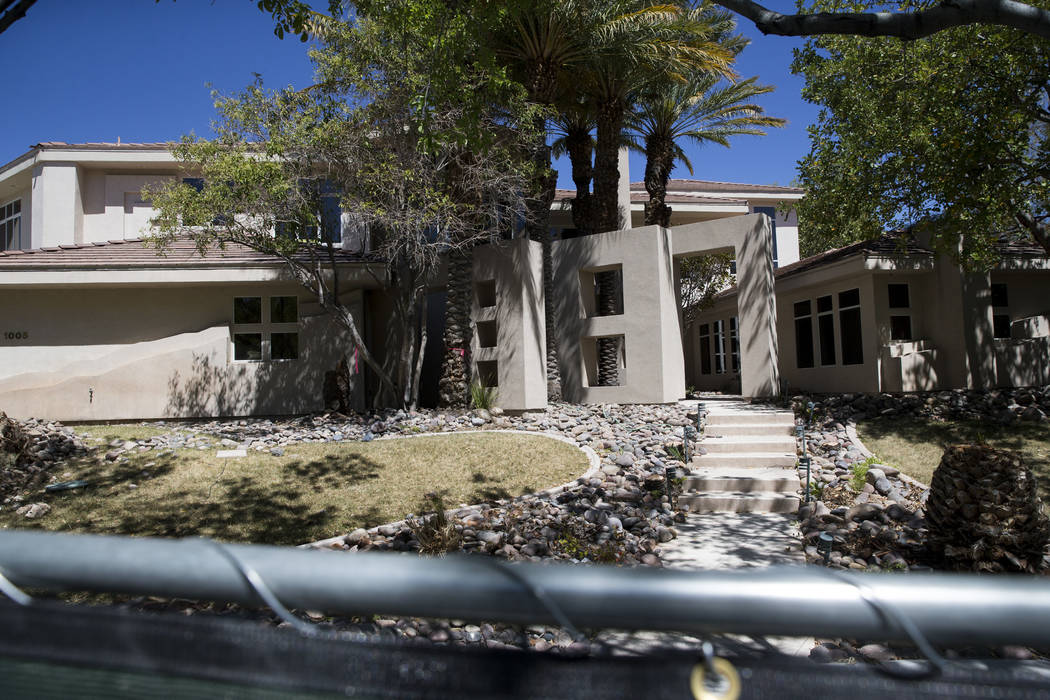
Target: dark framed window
<point>900,328</point>
<point>1001,325</point>
<point>247,347</point>
<point>850,333</point>
<point>284,310</point>
<point>771,212</point>
<point>1000,297</point>
<point>826,330</point>
<point>11,226</point>
<point>322,219</point>
<point>247,310</point>
<point>284,346</point>
<point>720,347</point>
<point>705,349</point>
<point>803,334</point>
<point>734,345</point>
<point>898,296</point>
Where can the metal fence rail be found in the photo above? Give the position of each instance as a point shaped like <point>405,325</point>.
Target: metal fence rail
<point>802,601</point>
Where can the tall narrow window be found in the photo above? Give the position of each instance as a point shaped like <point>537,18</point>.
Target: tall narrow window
<point>705,348</point>
<point>826,328</point>
<point>803,334</point>
<point>849,327</point>
<point>11,225</point>
<point>720,347</point>
<point>1000,311</point>
<point>321,220</point>
<point>771,212</point>
<point>900,302</point>
<point>734,346</point>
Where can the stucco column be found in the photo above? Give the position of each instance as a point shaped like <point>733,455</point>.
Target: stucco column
<point>623,188</point>
<point>57,209</point>
<point>757,311</point>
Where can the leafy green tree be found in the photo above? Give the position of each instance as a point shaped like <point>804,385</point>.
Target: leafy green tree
<point>410,123</point>
<point>700,110</point>
<point>945,135</point>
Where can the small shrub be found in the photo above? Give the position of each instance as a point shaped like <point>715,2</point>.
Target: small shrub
<point>435,533</point>
<point>860,475</point>
<point>816,489</point>
<point>482,396</point>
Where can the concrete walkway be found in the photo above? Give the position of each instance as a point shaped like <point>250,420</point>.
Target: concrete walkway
<point>711,541</point>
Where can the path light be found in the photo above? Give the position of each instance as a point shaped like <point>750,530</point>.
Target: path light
<point>805,462</point>
<point>824,546</point>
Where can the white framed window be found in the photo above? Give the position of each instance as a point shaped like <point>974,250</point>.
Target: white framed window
<point>11,225</point>
<point>720,347</point>
<point>265,329</point>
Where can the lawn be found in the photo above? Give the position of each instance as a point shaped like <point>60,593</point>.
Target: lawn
<point>915,445</point>
<point>312,491</point>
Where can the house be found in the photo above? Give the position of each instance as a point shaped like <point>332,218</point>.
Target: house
<point>891,315</point>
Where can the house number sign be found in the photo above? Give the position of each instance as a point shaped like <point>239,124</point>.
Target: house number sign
<point>16,335</point>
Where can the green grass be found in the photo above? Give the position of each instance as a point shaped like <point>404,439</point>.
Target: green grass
<point>313,491</point>
<point>915,445</point>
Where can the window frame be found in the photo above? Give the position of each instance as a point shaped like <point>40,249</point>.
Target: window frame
<point>11,220</point>
<point>266,328</point>
<point>900,313</point>
<point>802,310</point>
<point>848,358</point>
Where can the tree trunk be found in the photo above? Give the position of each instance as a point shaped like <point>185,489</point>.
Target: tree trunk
<point>607,293</point>
<point>578,145</point>
<point>659,159</point>
<point>550,326</point>
<point>606,165</point>
<point>454,386</point>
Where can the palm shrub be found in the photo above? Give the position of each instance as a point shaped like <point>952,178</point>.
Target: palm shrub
<point>482,396</point>
<point>983,513</point>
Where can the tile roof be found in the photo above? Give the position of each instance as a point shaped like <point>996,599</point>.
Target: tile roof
<point>100,146</point>
<point>681,185</point>
<point>672,198</point>
<point>136,253</point>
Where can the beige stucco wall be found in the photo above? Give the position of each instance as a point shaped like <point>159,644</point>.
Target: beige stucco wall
<point>102,354</point>
<point>516,269</point>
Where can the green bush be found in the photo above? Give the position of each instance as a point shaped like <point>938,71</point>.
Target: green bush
<point>482,396</point>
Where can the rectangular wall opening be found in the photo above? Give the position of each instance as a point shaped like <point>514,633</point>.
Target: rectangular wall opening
<point>486,293</point>
<point>487,334</point>
<point>604,360</point>
<point>602,291</point>
<point>488,373</point>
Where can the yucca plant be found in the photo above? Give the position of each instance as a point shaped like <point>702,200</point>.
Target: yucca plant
<point>483,396</point>
<point>983,513</point>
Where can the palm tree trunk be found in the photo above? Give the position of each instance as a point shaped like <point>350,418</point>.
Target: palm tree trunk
<point>608,348</point>
<point>578,146</point>
<point>659,159</point>
<point>454,386</point>
<point>606,164</point>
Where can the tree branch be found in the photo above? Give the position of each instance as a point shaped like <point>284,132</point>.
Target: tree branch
<point>903,25</point>
<point>13,14</point>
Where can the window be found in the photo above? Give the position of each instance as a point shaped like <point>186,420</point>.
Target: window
<point>771,212</point>
<point>265,328</point>
<point>1000,311</point>
<point>849,327</point>
<point>900,324</point>
<point>803,334</point>
<point>720,347</point>
<point>11,226</point>
<point>705,349</point>
<point>322,218</point>
<point>826,327</point>
<point>734,346</point>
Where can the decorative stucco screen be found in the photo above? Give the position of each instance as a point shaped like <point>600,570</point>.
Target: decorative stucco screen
<point>645,328</point>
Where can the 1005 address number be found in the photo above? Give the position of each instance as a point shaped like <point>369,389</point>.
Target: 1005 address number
<point>16,335</point>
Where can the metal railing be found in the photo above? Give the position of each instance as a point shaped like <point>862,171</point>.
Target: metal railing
<point>792,601</point>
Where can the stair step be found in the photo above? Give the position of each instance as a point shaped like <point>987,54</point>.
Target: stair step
<point>770,417</point>
<point>734,429</point>
<point>746,460</point>
<point>743,480</point>
<point>740,502</point>
<point>749,443</point>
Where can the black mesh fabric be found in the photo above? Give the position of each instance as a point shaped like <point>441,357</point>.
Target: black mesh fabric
<point>50,650</point>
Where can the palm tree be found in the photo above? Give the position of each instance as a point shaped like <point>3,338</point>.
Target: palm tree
<point>699,110</point>
<point>638,44</point>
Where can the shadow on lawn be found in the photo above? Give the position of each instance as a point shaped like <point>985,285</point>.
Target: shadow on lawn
<point>242,509</point>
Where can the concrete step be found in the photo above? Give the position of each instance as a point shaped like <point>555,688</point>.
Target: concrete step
<point>745,461</point>
<point>748,444</point>
<point>739,502</point>
<point>739,417</point>
<point>734,429</point>
<point>743,480</point>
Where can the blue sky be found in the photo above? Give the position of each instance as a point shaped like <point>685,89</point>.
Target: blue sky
<point>139,70</point>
